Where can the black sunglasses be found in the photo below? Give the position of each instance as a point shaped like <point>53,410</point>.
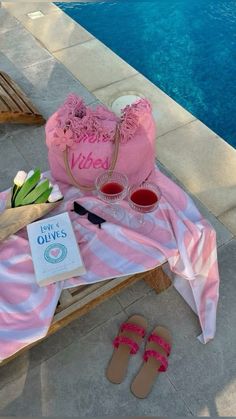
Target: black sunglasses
<point>93,218</point>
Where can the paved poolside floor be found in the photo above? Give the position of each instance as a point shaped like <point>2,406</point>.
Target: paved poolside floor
<point>64,375</point>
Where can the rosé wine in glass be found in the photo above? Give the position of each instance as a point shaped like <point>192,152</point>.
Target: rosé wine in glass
<point>112,187</point>
<point>144,199</point>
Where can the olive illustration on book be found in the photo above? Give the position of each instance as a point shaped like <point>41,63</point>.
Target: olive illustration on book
<point>33,188</point>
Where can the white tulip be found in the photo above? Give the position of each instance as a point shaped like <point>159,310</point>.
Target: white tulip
<point>55,196</point>
<point>56,187</point>
<point>20,178</point>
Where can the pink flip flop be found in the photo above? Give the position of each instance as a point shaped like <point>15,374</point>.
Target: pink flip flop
<point>155,361</point>
<point>126,343</point>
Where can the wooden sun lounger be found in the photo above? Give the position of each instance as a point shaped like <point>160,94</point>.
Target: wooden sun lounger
<point>14,105</point>
<point>77,301</point>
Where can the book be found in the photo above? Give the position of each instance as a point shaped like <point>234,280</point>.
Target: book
<point>55,251</point>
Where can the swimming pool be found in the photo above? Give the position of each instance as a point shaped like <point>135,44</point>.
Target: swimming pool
<point>187,48</point>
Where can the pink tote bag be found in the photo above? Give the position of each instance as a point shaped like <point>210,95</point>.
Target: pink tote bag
<point>83,141</point>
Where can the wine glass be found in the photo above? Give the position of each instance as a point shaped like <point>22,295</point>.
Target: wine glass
<point>112,187</point>
<point>144,198</point>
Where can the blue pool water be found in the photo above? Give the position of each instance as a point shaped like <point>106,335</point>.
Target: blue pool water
<point>186,47</point>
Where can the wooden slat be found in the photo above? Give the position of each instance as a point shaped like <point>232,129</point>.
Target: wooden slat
<point>84,291</point>
<point>93,294</point>
<point>65,299</point>
<point>16,94</point>
<point>3,105</point>
<point>14,105</point>
<point>7,92</point>
<point>11,104</point>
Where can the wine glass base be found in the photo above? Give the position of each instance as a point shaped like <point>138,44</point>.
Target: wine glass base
<point>142,223</point>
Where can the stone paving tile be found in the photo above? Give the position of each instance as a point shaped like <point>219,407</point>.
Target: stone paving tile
<point>207,166</point>
<point>223,235</point>
<point>228,218</point>
<point>7,21</point>
<point>73,383</point>
<point>30,142</point>
<point>7,64</point>
<point>21,48</point>
<point>57,82</point>
<point>94,64</point>
<point>216,398</point>
<point>167,113</point>
<point>133,293</point>
<point>48,30</point>
<point>11,160</point>
<point>101,314</point>
<point>23,8</point>
<point>3,132</point>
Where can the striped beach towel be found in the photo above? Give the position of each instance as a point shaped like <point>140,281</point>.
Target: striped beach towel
<point>181,237</point>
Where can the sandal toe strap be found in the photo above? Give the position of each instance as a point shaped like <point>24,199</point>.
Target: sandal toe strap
<point>124,340</point>
<point>161,342</point>
<point>160,358</point>
<point>132,327</point>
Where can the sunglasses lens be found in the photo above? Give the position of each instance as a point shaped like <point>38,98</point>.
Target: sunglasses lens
<point>79,209</point>
<point>95,219</point>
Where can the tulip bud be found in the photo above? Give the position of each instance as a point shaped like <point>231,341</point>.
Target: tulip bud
<point>56,187</point>
<point>56,194</point>
<point>20,178</point>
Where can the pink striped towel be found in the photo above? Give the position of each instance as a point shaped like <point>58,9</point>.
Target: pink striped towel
<point>181,237</point>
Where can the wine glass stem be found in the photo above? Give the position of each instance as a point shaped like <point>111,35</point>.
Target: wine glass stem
<point>141,219</point>
<point>113,210</point>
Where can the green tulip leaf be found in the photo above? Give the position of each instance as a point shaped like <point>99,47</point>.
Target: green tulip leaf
<point>15,189</point>
<point>36,193</point>
<point>27,187</point>
<point>44,196</point>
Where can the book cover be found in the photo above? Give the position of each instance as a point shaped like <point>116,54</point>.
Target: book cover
<point>55,252</point>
